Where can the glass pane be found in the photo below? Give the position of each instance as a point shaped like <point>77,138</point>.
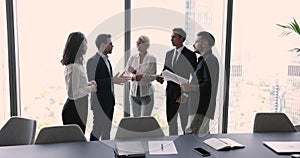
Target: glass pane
<point>4,78</point>
<point>210,16</point>
<point>156,20</point>
<point>43,28</point>
<point>264,74</point>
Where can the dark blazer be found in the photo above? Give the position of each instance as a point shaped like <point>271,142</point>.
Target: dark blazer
<point>185,65</point>
<point>199,100</point>
<point>97,70</point>
<point>213,67</point>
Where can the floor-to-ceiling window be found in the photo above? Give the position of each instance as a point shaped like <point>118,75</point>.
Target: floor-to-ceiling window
<point>43,28</point>
<point>4,91</point>
<point>265,76</point>
<point>156,20</point>
<point>210,16</point>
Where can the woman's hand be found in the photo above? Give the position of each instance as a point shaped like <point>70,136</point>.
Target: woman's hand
<point>136,77</point>
<point>132,70</point>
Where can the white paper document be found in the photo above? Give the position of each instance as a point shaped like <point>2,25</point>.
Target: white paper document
<point>162,147</point>
<point>124,149</point>
<point>170,76</point>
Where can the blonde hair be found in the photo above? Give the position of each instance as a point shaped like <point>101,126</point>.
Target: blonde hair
<point>145,39</point>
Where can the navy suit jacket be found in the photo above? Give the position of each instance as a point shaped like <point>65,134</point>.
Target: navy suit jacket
<point>199,100</point>
<point>206,77</point>
<point>213,67</point>
<point>97,70</point>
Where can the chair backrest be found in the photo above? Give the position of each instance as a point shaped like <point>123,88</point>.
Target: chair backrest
<point>60,134</point>
<point>297,128</point>
<point>272,122</point>
<point>138,127</point>
<point>18,131</point>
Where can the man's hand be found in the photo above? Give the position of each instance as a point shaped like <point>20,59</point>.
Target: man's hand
<point>93,84</point>
<point>186,87</point>
<point>160,79</point>
<point>181,99</point>
<point>120,79</point>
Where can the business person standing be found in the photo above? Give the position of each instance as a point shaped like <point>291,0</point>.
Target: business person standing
<point>203,86</point>
<point>75,110</point>
<point>182,62</point>
<point>143,68</point>
<point>100,69</point>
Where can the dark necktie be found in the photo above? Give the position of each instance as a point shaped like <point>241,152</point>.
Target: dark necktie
<point>111,75</point>
<point>110,68</point>
<point>176,53</point>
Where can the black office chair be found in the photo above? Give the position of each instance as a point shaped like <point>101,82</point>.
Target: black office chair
<point>138,127</point>
<point>272,122</point>
<point>60,134</point>
<point>18,131</point>
<point>297,128</point>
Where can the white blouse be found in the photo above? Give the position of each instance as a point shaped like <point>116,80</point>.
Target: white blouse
<point>147,69</point>
<point>76,81</point>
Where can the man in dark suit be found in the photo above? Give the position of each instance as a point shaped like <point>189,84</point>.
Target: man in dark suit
<point>102,101</point>
<point>181,61</point>
<point>203,87</point>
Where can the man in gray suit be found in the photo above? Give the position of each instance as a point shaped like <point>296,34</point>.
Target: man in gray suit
<point>181,61</point>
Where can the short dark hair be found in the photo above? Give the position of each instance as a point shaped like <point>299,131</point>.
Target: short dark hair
<point>180,32</point>
<point>71,51</point>
<point>207,36</point>
<point>102,38</point>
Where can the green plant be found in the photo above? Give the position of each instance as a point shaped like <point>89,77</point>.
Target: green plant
<point>291,27</point>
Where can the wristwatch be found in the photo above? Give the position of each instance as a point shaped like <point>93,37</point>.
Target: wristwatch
<point>185,94</point>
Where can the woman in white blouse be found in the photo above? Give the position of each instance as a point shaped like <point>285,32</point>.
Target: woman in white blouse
<point>142,67</point>
<point>75,109</point>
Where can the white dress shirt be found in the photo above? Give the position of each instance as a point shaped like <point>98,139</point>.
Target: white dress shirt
<point>76,81</point>
<point>147,69</point>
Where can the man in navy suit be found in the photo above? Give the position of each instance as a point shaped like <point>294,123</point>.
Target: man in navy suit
<point>103,101</point>
<point>180,61</point>
<point>203,87</point>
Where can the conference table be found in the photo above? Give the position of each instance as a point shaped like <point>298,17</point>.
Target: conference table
<point>254,147</point>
